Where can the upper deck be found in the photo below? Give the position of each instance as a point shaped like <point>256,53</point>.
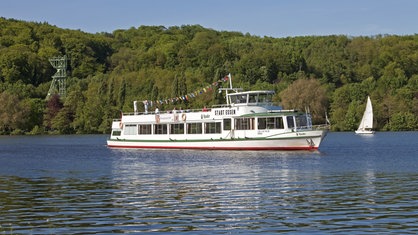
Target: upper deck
<point>261,98</point>
<point>238,104</point>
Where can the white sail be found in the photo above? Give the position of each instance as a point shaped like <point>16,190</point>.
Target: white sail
<point>366,123</point>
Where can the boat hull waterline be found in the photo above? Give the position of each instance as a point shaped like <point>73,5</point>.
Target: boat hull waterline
<point>302,142</point>
<point>365,132</point>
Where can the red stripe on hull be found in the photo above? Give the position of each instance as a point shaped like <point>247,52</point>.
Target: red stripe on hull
<point>215,148</point>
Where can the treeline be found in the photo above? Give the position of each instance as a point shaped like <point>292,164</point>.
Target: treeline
<point>181,66</point>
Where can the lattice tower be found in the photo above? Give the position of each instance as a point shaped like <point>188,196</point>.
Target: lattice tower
<point>58,79</point>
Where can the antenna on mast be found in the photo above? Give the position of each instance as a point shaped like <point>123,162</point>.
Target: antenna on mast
<point>58,79</point>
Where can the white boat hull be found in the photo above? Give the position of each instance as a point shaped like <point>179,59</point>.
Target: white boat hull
<point>294,141</point>
<point>364,132</point>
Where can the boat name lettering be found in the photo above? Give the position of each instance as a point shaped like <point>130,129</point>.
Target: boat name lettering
<point>225,112</point>
<point>260,132</point>
<point>204,116</point>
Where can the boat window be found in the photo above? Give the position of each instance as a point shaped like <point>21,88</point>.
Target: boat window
<point>242,99</point>
<point>290,122</point>
<point>262,123</point>
<point>130,129</point>
<point>144,129</point>
<point>194,128</point>
<point>227,124</point>
<point>278,123</point>
<point>160,129</point>
<point>252,98</point>
<point>116,133</point>
<point>244,124</point>
<point>233,99</point>
<point>177,128</point>
<point>265,98</point>
<point>270,123</point>
<point>212,127</point>
<point>301,121</point>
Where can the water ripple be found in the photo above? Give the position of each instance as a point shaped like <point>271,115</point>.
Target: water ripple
<point>209,192</point>
<point>351,203</point>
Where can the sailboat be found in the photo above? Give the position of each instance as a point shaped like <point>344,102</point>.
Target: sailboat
<point>366,123</point>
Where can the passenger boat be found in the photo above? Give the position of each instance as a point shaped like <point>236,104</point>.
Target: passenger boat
<point>248,121</point>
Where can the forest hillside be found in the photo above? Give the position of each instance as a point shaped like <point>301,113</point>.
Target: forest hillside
<point>184,66</point>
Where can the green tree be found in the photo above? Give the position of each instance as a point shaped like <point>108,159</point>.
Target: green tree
<point>353,116</point>
<point>140,64</point>
<point>122,94</point>
<point>12,113</point>
<point>33,117</point>
<point>54,105</point>
<point>306,94</point>
<point>403,121</point>
<point>93,108</point>
<point>61,123</point>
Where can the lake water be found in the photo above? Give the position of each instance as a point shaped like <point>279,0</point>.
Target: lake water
<point>76,185</point>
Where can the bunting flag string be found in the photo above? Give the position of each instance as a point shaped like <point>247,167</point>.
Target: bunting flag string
<point>185,97</point>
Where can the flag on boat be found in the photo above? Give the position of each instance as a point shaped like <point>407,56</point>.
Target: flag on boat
<point>190,95</point>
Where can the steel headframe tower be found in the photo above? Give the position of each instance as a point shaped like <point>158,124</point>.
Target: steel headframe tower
<point>58,81</point>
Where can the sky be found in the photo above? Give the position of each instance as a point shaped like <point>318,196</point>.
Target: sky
<point>271,18</point>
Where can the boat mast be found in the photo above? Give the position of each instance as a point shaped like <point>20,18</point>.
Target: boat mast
<point>230,81</point>
<point>229,89</point>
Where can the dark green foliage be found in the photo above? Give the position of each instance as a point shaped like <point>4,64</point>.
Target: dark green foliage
<point>108,71</point>
<point>53,108</point>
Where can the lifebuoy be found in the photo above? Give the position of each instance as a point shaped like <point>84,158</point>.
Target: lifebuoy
<point>157,118</point>
<point>183,117</point>
<point>120,125</point>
